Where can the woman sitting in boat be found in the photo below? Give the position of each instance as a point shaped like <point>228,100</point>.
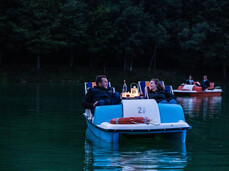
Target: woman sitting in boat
<point>189,80</point>
<point>157,92</point>
<point>100,95</point>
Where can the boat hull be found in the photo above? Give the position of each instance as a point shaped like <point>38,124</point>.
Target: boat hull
<point>197,94</point>
<point>113,136</point>
<point>104,135</point>
<point>164,119</point>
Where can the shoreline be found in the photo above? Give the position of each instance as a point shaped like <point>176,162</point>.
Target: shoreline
<point>63,74</point>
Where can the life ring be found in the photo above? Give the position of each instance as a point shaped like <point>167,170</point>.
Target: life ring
<point>130,120</point>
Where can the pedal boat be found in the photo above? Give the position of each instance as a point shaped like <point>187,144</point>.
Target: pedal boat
<point>164,119</point>
<point>196,91</point>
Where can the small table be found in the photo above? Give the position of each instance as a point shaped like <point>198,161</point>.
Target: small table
<point>132,98</point>
<point>128,95</point>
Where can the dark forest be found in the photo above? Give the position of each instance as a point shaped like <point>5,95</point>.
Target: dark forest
<point>187,35</point>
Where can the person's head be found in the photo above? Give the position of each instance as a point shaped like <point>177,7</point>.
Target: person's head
<point>101,81</point>
<point>190,77</point>
<point>155,85</point>
<point>205,77</point>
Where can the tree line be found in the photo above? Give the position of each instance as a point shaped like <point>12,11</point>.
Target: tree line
<point>124,33</point>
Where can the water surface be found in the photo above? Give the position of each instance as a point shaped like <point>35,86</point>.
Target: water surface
<point>42,128</point>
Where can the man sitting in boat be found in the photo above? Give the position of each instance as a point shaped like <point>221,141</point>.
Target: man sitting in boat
<point>189,80</point>
<point>101,94</point>
<point>205,83</point>
<point>157,92</point>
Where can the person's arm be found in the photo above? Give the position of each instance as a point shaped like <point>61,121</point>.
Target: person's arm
<point>169,96</point>
<point>198,83</point>
<point>88,100</point>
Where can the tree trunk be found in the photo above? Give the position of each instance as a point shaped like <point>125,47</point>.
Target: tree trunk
<point>91,62</point>
<point>104,68</point>
<point>0,58</point>
<point>152,58</point>
<point>131,65</point>
<point>155,62</point>
<point>72,54</point>
<point>38,61</point>
<point>127,64</point>
<point>224,71</point>
<point>38,100</point>
<point>124,64</point>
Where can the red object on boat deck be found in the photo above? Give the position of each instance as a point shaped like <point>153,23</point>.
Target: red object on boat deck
<point>212,85</point>
<point>180,87</point>
<point>197,88</point>
<point>130,120</point>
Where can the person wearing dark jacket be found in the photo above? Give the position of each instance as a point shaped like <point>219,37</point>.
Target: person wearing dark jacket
<point>100,95</point>
<point>205,83</point>
<point>157,92</point>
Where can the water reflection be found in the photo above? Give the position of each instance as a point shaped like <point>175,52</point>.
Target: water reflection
<point>39,127</point>
<point>133,154</point>
<point>205,106</point>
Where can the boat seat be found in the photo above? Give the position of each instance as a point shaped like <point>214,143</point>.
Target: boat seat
<point>170,113</point>
<point>169,88</point>
<point>212,86</point>
<point>142,108</point>
<point>144,84</point>
<point>106,113</point>
<point>197,88</point>
<point>180,87</point>
<point>88,85</point>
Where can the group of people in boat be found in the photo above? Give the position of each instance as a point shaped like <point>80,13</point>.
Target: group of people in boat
<point>101,94</point>
<point>205,83</point>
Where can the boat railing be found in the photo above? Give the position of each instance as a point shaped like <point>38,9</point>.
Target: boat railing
<point>88,114</point>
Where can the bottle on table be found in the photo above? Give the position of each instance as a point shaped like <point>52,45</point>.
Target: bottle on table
<point>124,87</point>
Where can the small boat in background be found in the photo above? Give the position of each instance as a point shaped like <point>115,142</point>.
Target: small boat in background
<point>193,91</point>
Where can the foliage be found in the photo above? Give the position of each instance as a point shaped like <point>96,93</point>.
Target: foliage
<point>123,33</point>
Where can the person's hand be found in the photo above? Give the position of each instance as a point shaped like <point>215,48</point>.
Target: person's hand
<point>95,103</point>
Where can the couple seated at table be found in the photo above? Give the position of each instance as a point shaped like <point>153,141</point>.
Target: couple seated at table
<point>103,94</point>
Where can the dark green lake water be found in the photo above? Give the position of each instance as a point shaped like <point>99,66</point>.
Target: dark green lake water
<point>42,128</point>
